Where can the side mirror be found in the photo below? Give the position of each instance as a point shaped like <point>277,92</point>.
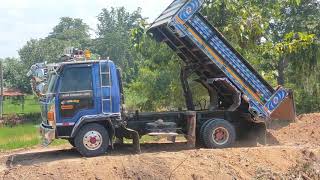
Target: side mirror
<point>40,88</point>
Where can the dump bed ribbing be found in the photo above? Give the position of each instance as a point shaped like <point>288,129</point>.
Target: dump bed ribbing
<point>200,45</point>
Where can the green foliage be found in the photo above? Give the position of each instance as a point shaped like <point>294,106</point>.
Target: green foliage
<point>156,86</point>
<point>69,32</point>
<point>114,38</point>
<point>294,43</point>
<point>72,30</point>
<point>15,74</point>
<point>280,38</point>
<point>20,136</point>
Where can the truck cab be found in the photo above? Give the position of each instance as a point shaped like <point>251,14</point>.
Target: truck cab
<point>80,92</point>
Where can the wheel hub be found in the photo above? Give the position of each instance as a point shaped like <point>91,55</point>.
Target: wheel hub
<point>220,135</point>
<point>92,140</point>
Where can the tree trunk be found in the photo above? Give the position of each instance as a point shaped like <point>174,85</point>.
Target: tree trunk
<point>281,67</point>
<point>186,90</point>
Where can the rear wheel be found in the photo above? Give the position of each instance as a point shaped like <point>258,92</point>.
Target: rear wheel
<point>92,140</point>
<point>219,134</point>
<point>200,134</point>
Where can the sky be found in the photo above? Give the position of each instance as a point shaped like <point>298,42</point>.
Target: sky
<point>22,20</point>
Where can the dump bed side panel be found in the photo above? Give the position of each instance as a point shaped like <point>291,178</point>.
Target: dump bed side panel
<point>200,45</point>
<point>168,13</point>
<point>230,56</point>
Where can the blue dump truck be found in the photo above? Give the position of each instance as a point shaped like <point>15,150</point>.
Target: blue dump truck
<point>83,101</point>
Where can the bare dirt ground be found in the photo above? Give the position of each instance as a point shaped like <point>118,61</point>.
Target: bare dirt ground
<point>293,153</point>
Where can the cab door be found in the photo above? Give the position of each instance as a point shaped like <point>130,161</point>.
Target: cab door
<point>76,96</point>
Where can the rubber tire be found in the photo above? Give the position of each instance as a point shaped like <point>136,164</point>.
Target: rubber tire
<point>208,131</point>
<point>79,140</point>
<point>200,135</point>
<point>71,141</point>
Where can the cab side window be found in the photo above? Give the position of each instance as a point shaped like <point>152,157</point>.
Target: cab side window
<point>76,79</point>
<point>76,91</point>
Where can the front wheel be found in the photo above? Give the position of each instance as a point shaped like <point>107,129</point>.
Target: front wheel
<point>92,140</point>
<point>219,134</point>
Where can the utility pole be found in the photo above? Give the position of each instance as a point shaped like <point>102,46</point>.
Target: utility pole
<point>1,89</point>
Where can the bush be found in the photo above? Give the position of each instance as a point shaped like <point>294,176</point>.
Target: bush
<point>15,119</point>
<point>32,117</point>
<point>12,120</point>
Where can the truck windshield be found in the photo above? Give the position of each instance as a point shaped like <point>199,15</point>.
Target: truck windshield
<point>52,83</point>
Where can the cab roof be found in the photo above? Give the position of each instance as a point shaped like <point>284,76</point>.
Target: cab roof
<point>57,66</point>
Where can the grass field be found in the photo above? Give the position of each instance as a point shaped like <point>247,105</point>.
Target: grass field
<point>21,136</point>
<point>24,135</point>
<point>31,105</point>
<point>18,137</point>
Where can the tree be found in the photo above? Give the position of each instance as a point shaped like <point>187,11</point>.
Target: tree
<point>48,49</point>
<point>15,75</point>
<point>68,33</point>
<point>157,86</point>
<point>73,30</point>
<point>114,38</point>
<point>293,31</point>
<point>280,38</point>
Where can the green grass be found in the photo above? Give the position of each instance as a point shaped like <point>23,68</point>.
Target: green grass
<point>27,135</point>
<point>24,135</point>
<point>144,139</point>
<point>21,136</point>
<point>31,105</point>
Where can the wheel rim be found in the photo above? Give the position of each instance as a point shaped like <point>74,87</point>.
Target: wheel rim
<point>220,135</point>
<point>92,140</point>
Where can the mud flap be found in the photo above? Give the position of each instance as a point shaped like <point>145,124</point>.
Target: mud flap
<point>251,134</point>
<point>191,126</point>
<point>134,135</point>
<point>261,130</point>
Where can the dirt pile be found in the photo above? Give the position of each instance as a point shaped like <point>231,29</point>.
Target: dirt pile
<point>305,131</point>
<point>306,167</point>
<point>238,163</point>
<point>296,156</point>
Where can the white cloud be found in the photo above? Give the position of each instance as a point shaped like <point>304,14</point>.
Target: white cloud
<point>21,20</point>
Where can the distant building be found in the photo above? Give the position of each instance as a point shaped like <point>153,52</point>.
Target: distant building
<point>11,92</point>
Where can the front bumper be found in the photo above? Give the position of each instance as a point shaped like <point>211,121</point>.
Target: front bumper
<point>47,134</point>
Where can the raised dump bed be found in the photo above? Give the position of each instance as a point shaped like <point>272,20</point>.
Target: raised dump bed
<point>204,49</point>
